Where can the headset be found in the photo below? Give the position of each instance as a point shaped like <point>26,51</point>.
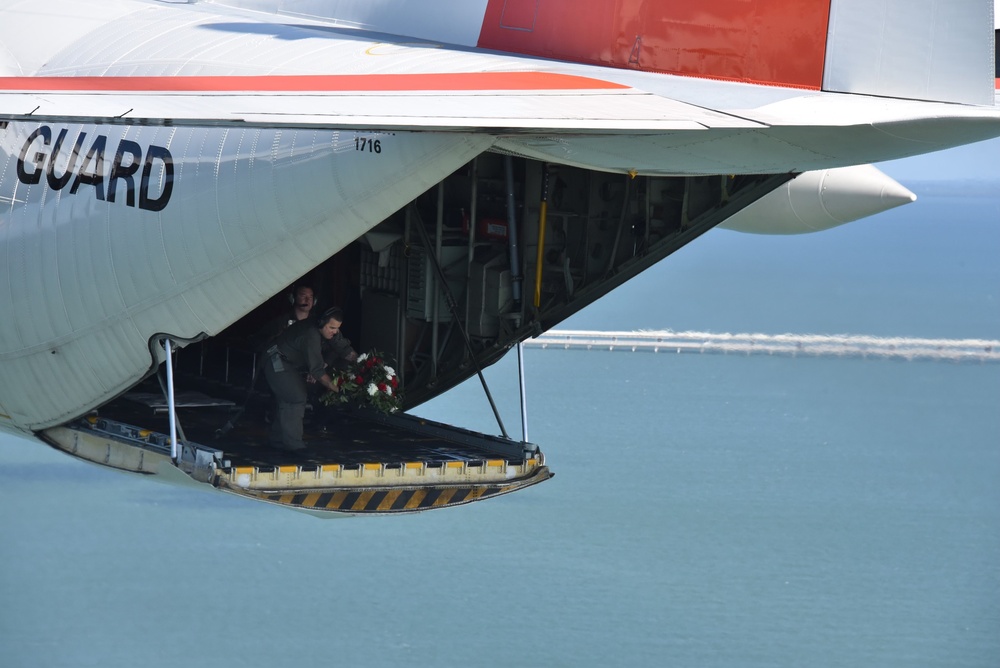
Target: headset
<point>334,312</point>
<point>293,293</point>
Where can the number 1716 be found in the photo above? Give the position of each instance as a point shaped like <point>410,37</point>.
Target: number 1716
<point>367,144</point>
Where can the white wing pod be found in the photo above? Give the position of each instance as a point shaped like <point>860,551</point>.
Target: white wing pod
<point>819,200</point>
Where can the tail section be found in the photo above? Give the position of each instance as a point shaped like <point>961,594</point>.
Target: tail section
<point>769,41</point>
<point>939,50</point>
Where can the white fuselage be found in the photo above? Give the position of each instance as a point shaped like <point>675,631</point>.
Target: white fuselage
<point>117,234</point>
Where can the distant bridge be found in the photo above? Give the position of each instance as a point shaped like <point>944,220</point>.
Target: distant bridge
<point>813,345</point>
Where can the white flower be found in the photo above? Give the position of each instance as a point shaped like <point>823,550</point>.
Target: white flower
<point>390,372</point>
<point>388,390</point>
<point>372,389</point>
<point>362,357</point>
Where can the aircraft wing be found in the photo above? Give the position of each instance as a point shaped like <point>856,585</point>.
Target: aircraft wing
<point>232,69</point>
<point>212,64</point>
<point>615,127</point>
<point>499,102</point>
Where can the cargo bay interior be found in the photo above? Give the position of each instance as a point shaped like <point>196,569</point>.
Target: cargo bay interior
<point>502,249</point>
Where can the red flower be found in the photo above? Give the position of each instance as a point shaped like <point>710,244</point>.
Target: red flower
<point>359,380</point>
<point>381,387</point>
<point>395,383</point>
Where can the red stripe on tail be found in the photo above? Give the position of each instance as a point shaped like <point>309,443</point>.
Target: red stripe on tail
<point>761,41</point>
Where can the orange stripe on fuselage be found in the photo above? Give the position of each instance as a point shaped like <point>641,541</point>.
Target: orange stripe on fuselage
<point>361,83</point>
<point>765,41</point>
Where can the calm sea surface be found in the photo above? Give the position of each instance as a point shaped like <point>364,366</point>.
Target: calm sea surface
<point>707,510</point>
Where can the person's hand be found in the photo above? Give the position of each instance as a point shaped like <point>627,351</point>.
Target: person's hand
<point>310,380</point>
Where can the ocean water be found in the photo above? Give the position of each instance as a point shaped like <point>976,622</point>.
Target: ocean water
<point>928,269</point>
<point>707,510</point>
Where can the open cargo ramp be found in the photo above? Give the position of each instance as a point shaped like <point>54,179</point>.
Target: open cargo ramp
<point>355,461</point>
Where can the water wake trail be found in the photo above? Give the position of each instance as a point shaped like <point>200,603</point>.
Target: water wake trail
<point>814,345</point>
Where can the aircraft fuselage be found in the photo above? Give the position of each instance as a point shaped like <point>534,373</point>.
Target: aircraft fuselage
<point>117,234</point>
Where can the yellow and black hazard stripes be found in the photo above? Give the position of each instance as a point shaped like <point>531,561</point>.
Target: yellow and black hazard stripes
<point>386,495</point>
<point>388,501</point>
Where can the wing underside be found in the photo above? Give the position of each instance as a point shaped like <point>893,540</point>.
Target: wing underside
<point>568,119</point>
